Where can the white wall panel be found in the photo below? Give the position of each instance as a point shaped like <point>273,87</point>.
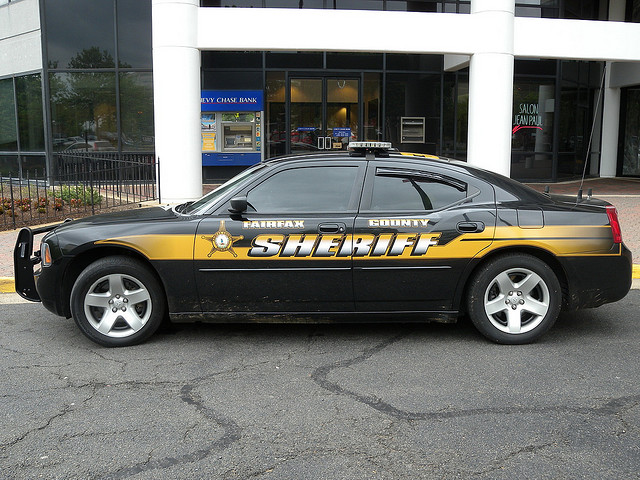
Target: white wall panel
<point>334,30</point>
<point>410,32</point>
<point>576,39</point>
<point>20,41</point>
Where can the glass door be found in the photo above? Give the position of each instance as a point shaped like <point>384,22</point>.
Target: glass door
<point>342,109</point>
<point>324,113</point>
<point>306,114</point>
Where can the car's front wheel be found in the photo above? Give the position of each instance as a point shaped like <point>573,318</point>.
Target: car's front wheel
<point>116,301</point>
<point>514,299</point>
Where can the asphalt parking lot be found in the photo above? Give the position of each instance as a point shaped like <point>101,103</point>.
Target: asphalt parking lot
<point>321,401</point>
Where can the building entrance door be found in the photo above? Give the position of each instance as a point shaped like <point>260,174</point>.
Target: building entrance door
<point>324,113</point>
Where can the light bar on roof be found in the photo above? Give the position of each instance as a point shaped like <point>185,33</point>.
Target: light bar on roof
<point>378,145</point>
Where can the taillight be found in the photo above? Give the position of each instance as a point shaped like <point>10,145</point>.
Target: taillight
<point>612,213</point>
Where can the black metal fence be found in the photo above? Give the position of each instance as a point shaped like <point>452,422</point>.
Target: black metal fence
<point>78,185</point>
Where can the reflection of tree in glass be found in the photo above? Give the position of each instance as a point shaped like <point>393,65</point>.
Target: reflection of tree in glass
<point>92,57</point>
<point>136,110</point>
<point>84,102</point>
<point>30,122</point>
<point>8,137</point>
<point>94,93</point>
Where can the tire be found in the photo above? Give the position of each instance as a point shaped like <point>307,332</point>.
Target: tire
<point>117,301</point>
<point>514,299</point>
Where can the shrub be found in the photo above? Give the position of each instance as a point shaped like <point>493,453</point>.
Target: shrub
<point>42,204</point>
<point>85,195</point>
<point>5,205</point>
<point>24,204</point>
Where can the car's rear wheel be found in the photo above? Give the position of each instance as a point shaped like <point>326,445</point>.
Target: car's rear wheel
<point>514,299</point>
<point>116,301</point>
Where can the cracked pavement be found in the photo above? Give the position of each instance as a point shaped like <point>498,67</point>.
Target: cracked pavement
<point>331,402</point>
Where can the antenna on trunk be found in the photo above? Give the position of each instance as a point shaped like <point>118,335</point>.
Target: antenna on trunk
<point>593,126</point>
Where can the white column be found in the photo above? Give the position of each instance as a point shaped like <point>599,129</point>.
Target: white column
<point>491,86</point>
<point>176,97</point>
<point>611,108</point>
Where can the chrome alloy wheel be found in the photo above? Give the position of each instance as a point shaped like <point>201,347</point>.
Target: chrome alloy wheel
<point>117,305</point>
<point>516,301</point>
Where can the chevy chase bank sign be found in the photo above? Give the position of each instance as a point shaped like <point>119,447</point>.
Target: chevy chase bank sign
<point>231,100</point>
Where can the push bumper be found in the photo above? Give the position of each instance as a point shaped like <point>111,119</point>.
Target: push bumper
<point>24,259</point>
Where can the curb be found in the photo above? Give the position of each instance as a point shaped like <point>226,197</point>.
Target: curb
<point>8,286</point>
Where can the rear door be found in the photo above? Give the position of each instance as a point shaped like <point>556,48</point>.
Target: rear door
<point>419,227</point>
<point>289,252</point>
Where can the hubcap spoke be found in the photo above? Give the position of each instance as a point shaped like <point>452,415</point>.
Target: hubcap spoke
<point>536,307</point>
<point>100,300</point>
<point>137,296</point>
<point>116,284</point>
<point>529,283</point>
<point>496,305</point>
<point>514,321</point>
<point>504,282</point>
<point>132,319</point>
<point>107,321</point>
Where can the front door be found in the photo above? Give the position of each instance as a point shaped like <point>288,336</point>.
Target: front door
<point>289,252</point>
<point>324,113</point>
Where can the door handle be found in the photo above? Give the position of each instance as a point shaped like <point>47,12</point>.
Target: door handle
<point>320,143</point>
<point>327,143</point>
<point>470,227</point>
<point>332,228</point>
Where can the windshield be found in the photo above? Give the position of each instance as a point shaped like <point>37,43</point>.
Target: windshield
<point>200,206</point>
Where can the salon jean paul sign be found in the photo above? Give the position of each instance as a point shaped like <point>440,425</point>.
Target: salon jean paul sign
<point>527,115</point>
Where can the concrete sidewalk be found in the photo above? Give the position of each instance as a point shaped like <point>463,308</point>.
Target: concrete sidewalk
<point>623,193</point>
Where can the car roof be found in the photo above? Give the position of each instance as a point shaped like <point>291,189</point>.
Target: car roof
<point>343,155</point>
<point>522,191</point>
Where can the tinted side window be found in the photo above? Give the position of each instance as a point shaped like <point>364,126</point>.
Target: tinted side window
<point>308,189</point>
<point>414,193</point>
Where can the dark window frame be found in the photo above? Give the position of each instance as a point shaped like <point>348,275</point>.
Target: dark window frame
<point>431,174</point>
<point>354,197</point>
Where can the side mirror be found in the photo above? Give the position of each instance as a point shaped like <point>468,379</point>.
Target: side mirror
<point>238,205</point>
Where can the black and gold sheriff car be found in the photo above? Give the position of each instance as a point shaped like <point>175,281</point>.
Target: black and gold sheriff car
<point>366,235</point>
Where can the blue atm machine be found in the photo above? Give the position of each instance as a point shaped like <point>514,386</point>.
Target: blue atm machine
<point>231,127</point>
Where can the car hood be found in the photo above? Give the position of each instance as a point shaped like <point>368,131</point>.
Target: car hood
<point>76,236</point>
<point>127,216</point>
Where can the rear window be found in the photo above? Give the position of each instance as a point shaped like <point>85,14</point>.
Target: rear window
<point>398,191</point>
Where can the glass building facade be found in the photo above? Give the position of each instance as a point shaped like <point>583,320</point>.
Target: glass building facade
<point>99,78</point>
<point>95,91</point>
<point>22,145</point>
<point>553,103</point>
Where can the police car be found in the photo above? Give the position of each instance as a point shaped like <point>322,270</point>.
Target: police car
<point>372,234</point>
